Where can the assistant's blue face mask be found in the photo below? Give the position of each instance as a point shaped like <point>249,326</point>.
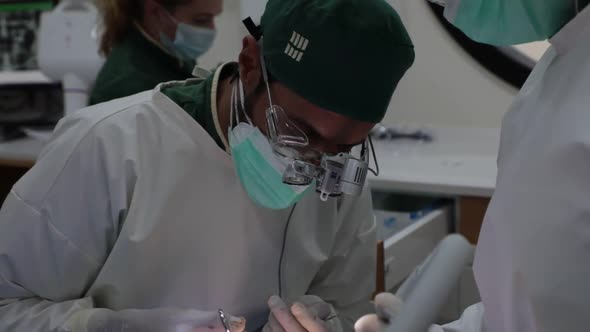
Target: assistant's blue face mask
<point>190,42</point>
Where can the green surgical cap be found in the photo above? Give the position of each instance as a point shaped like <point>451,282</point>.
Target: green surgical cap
<point>346,56</point>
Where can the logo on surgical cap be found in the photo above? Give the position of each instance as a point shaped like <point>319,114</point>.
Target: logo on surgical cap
<point>296,46</point>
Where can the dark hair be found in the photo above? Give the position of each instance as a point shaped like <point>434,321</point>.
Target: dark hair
<point>118,17</point>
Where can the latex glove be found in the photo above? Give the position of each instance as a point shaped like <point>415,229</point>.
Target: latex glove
<point>154,320</point>
<point>387,307</point>
<point>308,314</point>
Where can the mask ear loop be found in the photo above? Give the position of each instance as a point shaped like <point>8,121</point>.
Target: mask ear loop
<point>169,14</point>
<point>238,93</point>
<point>234,107</point>
<point>577,6</point>
<point>242,99</point>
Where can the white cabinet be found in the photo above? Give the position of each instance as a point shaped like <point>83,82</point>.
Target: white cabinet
<point>408,233</point>
<point>408,248</point>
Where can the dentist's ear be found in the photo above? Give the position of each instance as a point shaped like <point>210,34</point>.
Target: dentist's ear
<point>250,66</point>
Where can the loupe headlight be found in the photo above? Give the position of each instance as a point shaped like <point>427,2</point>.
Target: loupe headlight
<point>330,172</point>
<point>345,174</point>
<point>342,174</point>
<point>354,174</point>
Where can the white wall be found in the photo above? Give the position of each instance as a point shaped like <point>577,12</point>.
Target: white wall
<point>445,85</point>
<point>230,32</point>
<point>534,50</point>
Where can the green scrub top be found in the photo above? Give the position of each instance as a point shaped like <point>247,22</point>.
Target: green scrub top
<point>195,99</point>
<point>136,65</point>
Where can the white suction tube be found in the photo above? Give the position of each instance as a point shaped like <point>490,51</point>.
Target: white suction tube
<point>427,290</point>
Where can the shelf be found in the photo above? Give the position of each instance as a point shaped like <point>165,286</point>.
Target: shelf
<point>24,77</point>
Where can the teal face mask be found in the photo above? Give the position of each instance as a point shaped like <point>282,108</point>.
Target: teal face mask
<point>190,42</point>
<point>260,170</point>
<point>509,22</point>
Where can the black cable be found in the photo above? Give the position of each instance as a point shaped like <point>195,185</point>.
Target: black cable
<point>363,148</point>
<point>283,250</point>
<point>374,158</point>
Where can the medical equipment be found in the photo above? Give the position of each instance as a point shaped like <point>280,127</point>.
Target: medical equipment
<point>425,292</point>
<point>29,104</point>
<point>335,175</point>
<point>383,133</point>
<point>18,34</point>
<point>224,321</point>
<point>27,97</point>
<point>343,174</point>
<point>421,298</point>
<point>68,50</point>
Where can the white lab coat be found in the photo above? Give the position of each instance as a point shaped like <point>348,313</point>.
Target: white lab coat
<point>133,205</point>
<point>532,262</point>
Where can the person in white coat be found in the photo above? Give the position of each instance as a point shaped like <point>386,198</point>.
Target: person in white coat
<point>531,264</point>
<point>149,213</point>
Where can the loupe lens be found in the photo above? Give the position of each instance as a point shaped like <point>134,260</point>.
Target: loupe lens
<point>299,173</point>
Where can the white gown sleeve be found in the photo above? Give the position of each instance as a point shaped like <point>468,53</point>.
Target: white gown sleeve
<point>347,279</point>
<point>42,274</point>
<point>471,321</point>
<point>57,226</point>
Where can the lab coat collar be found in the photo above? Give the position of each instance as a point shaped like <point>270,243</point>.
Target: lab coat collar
<point>573,33</point>
<point>214,112</point>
